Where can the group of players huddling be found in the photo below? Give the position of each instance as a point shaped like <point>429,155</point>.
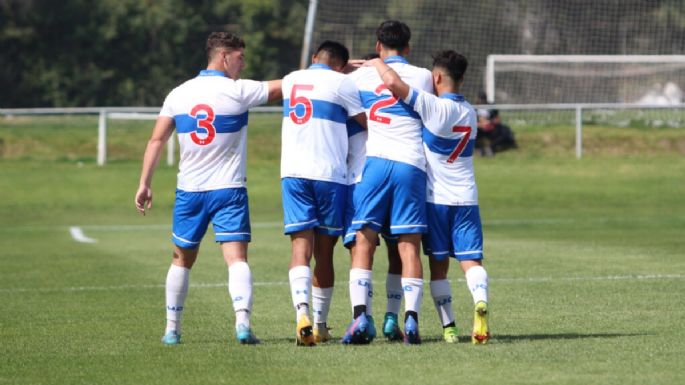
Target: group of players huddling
<point>367,149</point>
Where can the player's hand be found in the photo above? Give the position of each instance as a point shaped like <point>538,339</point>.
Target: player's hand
<point>143,199</point>
<point>352,65</point>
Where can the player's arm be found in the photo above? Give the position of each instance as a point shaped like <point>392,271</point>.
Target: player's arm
<point>164,127</point>
<point>391,79</point>
<point>361,119</point>
<point>275,91</point>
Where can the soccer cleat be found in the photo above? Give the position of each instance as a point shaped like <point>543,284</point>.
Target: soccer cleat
<point>244,335</point>
<point>411,332</point>
<point>371,330</point>
<point>357,332</point>
<point>304,332</point>
<point>171,338</point>
<point>391,329</point>
<point>322,335</point>
<point>450,334</point>
<point>480,334</point>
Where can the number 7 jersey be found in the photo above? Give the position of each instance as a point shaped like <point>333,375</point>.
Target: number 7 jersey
<point>449,137</point>
<point>210,113</point>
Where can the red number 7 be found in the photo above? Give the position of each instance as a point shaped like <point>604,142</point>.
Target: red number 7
<point>462,142</point>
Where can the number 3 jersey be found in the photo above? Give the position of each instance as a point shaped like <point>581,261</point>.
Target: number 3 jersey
<point>316,104</point>
<point>449,136</point>
<point>394,128</point>
<point>210,113</point>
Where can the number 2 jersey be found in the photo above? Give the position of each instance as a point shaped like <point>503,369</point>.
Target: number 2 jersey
<point>317,102</point>
<point>449,137</point>
<point>394,128</point>
<point>210,113</point>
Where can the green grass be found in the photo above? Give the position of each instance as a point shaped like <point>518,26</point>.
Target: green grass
<point>585,257</point>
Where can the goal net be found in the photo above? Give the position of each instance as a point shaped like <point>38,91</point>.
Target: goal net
<point>478,29</point>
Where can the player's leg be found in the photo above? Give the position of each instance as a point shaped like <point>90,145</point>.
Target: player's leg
<point>393,288</point>
<point>231,221</point>
<point>437,244</point>
<point>322,284</point>
<point>412,284</point>
<point>468,241</point>
<point>190,221</point>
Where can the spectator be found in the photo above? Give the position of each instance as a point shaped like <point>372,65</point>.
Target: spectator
<point>493,135</point>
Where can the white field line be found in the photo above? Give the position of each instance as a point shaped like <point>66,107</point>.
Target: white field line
<point>341,284</point>
<point>79,236</point>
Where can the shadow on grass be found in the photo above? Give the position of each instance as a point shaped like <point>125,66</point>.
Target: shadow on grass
<point>510,338</point>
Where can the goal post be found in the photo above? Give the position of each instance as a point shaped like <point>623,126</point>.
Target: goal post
<point>647,79</point>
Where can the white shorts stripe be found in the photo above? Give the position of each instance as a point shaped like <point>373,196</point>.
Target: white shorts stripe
<point>300,223</point>
<point>184,240</point>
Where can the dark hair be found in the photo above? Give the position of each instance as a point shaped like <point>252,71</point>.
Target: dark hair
<point>393,34</point>
<point>335,51</point>
<point>454,63</point>
<point>227,40</point>
<point>370,56</point>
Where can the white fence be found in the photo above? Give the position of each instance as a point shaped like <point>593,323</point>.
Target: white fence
<point>150,113</point>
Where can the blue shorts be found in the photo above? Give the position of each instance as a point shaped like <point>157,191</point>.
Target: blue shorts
<point>351,235</point>
<point>454,231</point>
<point>226,208</point>
<point>390,194</point>
<point>313,204</point>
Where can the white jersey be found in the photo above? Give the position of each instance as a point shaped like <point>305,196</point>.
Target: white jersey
<point>314,135</point>
<point>356,151</point>
<point>210,113</point>
<point>394,128</point>
<point>448,139</point>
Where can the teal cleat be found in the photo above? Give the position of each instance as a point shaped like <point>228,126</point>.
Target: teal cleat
<point>171,338</point>
<point>244,335</point>
<point>391,329</point>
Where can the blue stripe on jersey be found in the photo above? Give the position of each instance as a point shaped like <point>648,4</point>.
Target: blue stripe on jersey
<point>353,127</point>
<point>453,96</point>
<point>444,146</point>
<point>414,96</point>
<point>321,109</point>
<point>400,108</point>
<point>223,123</point>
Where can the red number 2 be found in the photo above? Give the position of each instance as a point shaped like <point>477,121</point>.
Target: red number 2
<point>462,142</point>
<point>205,123</point>
<point>303,100</point>
<point>389,100</point>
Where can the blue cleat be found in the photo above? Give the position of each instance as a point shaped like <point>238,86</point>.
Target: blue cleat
<point>411,332</point>
<point>171,338</point>
<point>371,330</point>
<point>244,335</point>
<point>357,332</point>
<point>391,328</point>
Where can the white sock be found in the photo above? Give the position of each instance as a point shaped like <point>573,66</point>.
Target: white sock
<point>393,287</point>
<point>240,290</point>
<point>361,290</point>
<point>477,282</point>
<point>413,293</point>
<point>321,304</point>
<point>442,298</point>
<point>176,292</point>
<point>300,283</point>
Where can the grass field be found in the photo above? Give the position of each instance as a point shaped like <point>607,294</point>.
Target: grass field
<point>586,259</point>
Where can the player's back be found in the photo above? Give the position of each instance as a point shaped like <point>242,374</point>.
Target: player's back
<point>210,113</point>
<point>394,127</point>
<point>448,138</point>
<point>317,102</point>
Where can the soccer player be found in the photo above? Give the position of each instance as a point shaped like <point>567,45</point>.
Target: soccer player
<point>392,191</point>
<point>314,178</point>
<point>209,113</point>
<point>454,226</point>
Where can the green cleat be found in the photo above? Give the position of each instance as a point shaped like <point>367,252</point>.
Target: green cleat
<point>450,334</point>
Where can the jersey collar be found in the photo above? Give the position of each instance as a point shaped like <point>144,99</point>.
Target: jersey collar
<point>319,66</point>
<point>212,73</point>
<point>452,96</point>
<point>395,59</point>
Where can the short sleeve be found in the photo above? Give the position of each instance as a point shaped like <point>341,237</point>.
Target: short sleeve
<point>349,94</point>
<point>428,106</point>
<point>167,107</point>
<point>253,93</point>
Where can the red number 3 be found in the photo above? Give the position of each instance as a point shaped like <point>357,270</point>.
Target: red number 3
<point>205,123</point>
<point>306,103</point>
<point>389,100</point>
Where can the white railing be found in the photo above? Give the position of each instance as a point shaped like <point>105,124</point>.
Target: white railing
<point>150,113</point>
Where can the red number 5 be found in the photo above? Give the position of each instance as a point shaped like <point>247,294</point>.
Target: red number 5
<point>462,142</point>
<point>205,123</point>
<point>389,100</point>
<point>306,103</point>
